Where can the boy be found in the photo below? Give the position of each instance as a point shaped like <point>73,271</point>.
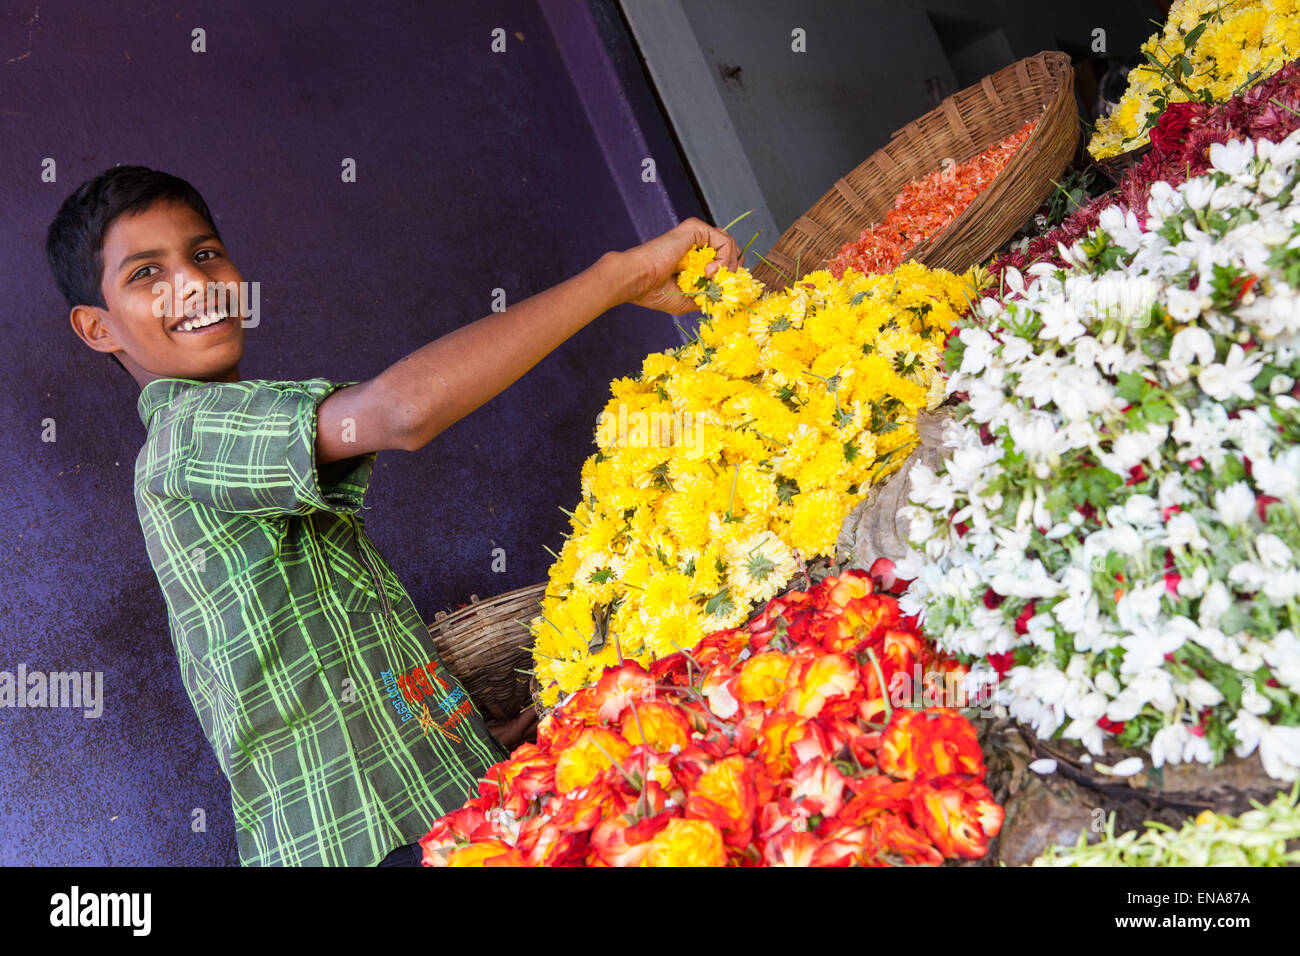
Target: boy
<point>341,733</point>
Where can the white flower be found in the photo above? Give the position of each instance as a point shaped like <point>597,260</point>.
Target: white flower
<point>1279,747</point>
<point>1252,701</point>
<point>1014,280</point>
<point>1183,529</point>
<point>1231,157</point>
<point>1177,744</point>
<point>1131,448</point>
<point>1183,306</point>
<point>1128,767</point>
<point>927,488</point>
<point>1273,551</point>
<point>1060,320</point>
<point>1191,344</point>
<point>1279,477</point>
<point>1197,192</point>
<point>1122,227</point>
<point>1232,378</point>
<point>980,349</point>
<point>1282,654</point>
<point>1140,510</point>
<point>1202,693</point>
<point>1037,436</point>
<point>1235,503</point>
<point>1163,200</point>
<point>1044,765</point>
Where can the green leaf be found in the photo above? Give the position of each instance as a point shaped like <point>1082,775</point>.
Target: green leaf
<point>1131,386</point>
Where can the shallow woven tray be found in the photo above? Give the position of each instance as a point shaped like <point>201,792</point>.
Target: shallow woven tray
<point>1039,87</point>
<point>486,646</point>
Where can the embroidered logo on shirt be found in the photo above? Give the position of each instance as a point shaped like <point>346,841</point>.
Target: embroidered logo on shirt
<point>408,690</point>
<point>395,696</point>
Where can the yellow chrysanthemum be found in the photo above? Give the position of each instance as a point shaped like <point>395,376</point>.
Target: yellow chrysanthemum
<point>726,456</point>
<point>816,522</point>
<point>758,567</point>
<point>1237,43</point>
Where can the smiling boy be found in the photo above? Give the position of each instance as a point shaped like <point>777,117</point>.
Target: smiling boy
<point>342,735</point>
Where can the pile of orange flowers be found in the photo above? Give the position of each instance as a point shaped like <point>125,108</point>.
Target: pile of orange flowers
<point>771,744</point>
<point>924,209</point>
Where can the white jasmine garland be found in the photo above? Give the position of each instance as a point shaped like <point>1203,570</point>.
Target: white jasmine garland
<point>1130,531</point>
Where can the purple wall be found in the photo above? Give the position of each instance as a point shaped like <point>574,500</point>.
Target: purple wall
<point>475,170</point>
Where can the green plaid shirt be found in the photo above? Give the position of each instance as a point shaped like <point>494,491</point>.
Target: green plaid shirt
<point>315,680</point>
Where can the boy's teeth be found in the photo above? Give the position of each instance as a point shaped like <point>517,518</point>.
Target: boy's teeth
<point>192,324</point>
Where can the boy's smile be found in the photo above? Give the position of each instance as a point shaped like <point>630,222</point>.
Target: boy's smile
<point>157,266</point>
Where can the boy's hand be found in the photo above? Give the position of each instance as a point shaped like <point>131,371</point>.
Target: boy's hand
<point>652,263</point>
<point>517,731</point>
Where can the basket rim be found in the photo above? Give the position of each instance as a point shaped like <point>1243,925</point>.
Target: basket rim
<point>1054,65</point>
<point>476,608</point>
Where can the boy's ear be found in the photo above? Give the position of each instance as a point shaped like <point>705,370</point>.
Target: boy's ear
<point>88,322</point>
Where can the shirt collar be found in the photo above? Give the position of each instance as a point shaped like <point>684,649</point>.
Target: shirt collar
<point>160,393</point>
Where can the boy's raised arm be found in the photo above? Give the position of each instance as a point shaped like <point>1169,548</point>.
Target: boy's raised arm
<point>419,396</point>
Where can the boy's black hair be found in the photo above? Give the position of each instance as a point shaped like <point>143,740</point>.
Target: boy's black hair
<point>74,244</point>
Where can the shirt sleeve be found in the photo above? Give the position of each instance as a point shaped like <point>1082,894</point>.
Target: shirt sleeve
<point>250,448</point>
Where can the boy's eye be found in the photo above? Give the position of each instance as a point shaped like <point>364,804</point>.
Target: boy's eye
<point>201,256</point>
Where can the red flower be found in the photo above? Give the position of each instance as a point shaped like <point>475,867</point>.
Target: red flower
<point>725,795</point>
<point>1002,662</point>
<point>1175,123</point>
<point>1110,726</point>
<point>819,786</point>
<point>931,742</point>
<point>843,846</point>
<point>619,685</point>
<point>1022,619</point>
<point>891,836</point>
<point>791,847</point>
<point>873,796</point>
<point>958,813</point>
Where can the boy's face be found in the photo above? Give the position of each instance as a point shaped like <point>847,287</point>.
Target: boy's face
<point>144,254</point>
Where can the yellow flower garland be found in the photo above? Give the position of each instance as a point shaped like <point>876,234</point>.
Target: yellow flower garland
<point>730,459</point>
<point>1239,43</point>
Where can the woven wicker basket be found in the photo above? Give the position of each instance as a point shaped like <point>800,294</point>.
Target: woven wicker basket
<point>960,127</point>
<point>486,645</point>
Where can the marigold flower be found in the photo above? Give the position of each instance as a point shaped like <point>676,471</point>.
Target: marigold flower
<point>819,786</point>
<point>612,846</point>
<point>725,795</point>
<point>862,620</point>
<point>717,768</point>
<point>687,843</point>
<point>762,678</point>
<point>790,847</point>
<point>893,839</point>
<point>590,755</point>
<point>814,681</point>
<point>618,687</point>
<point>487,853</point>
<point>842,846</point>
<point>959,815</point>
<point>664,725</point>
<point>931,742</point>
